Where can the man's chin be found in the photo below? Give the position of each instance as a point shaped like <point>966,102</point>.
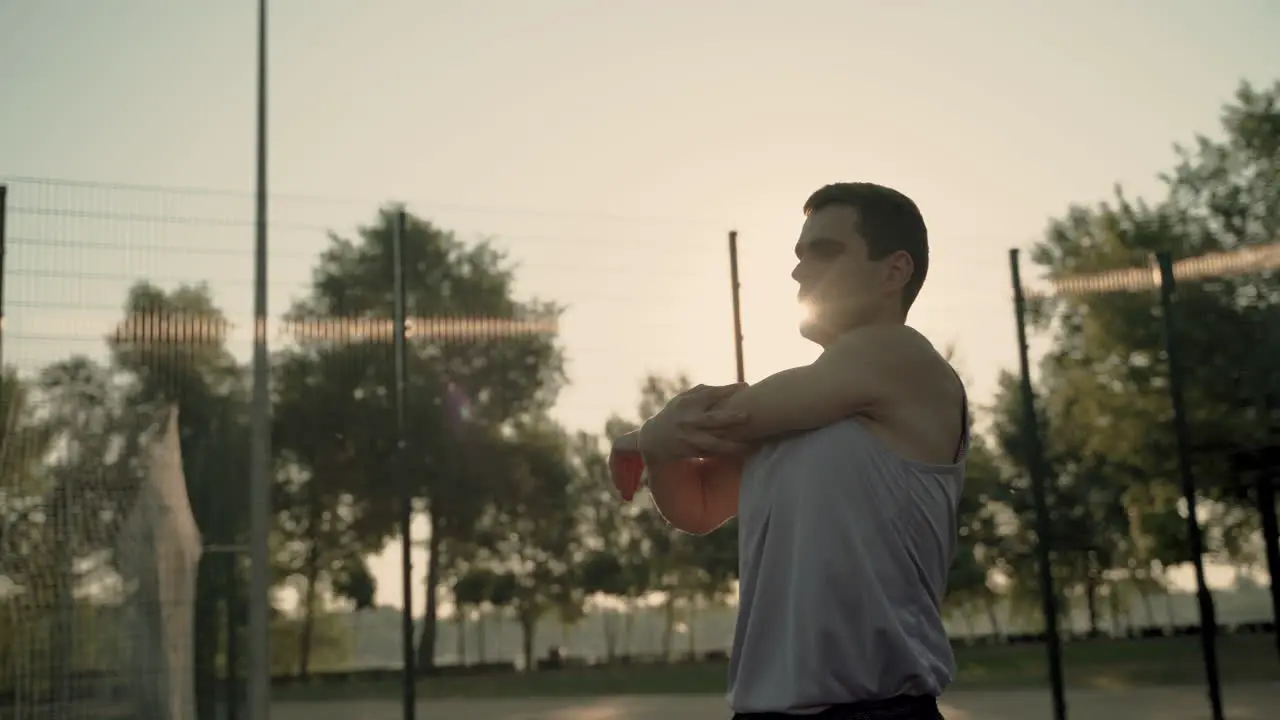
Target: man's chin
<point>814,332</point>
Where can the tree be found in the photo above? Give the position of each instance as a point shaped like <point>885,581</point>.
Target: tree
<point>170,349</point>
<point>688,570</point>
<point>609,533</point>
<point>471,591</point>
<point>1103,386</point>
<point>477,358</point>
<point>970,581</point>
<point>603,576</point>
<point>24,439</point>
<point>319,440</point>
<point>528,535</point>
<point>355,582</point>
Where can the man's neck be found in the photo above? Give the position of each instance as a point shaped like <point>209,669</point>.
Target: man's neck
<point>884,321</point>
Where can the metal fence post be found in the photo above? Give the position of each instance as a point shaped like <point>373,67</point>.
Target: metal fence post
<point>260,476</point>
<point>400,320</point>
<point>1208,621</point>
<point>1036,470</point>
<point>4,248</point>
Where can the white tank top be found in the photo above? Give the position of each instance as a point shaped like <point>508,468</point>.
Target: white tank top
<point>843,552</point>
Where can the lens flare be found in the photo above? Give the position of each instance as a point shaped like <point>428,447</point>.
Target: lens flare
<point>804,313</point>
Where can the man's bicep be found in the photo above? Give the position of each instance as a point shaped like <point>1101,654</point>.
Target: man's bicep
<point>850,379</point>
<point>797,399</point>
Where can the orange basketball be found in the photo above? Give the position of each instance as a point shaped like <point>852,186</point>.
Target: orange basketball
<point>627,468</point>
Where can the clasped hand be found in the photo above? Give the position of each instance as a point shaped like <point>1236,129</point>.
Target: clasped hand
<point>685,429</point>
<point>690,426</point>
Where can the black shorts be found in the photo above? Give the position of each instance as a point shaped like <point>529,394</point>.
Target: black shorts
<point>903,707</point>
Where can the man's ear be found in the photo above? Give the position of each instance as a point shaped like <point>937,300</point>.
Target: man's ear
<point>898,269</point>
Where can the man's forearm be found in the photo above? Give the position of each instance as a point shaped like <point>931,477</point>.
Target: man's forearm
<point>791,401</point>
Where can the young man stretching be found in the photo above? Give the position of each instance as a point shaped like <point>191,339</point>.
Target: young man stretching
<point>844,475</point>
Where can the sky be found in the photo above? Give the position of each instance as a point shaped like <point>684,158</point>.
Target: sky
<point>607,146</point>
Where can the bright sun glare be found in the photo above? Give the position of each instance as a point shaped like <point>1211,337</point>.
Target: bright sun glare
<point>803,312</point>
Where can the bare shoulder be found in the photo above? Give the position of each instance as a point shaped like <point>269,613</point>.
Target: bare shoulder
<point>893,346</point>
<point>900,359</point>
<point>921,403</point>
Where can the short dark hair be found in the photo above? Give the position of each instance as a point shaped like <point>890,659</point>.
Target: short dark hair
<point>887,220</point>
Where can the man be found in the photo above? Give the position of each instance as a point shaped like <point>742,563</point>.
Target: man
<point>844,475</point>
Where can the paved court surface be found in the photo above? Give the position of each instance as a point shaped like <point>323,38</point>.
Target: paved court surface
<point>1243,702</point>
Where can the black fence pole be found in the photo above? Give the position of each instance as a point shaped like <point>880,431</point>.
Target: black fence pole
<point>1036,469</point>
<point>4,248</point>
<point>1267,479</point>
<point>260,475</point>
<point>1268,459</point>
<point>737,303</point>
<point>409,678</point>
<point>232,610</point>
<point>1182,437</point>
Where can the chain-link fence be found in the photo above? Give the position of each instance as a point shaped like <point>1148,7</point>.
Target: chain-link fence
<point>124,302</point>
<point>1148,438</point>
<point>124,305</point>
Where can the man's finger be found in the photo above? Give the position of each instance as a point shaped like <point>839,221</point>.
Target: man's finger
<point>716,393</point>
<point>716,420</point>
<point>708,444</point>
<point>630,442</point>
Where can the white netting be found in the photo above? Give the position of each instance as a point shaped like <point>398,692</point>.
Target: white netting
<point>97,585</point>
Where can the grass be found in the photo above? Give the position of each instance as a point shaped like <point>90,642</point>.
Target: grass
<point>1097,664</point>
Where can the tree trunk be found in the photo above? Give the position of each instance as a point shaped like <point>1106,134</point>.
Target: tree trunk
<point>609,620</point>
<point>311,573</point>
<point>693,624</point>
<point>994,618</point>
<point>528,627</point>
<point>234,605</point>
<point>669,626</point>
<point>462,636</point>
<point>427,641</point>
<point>207,639</point>
<point>1146,606</point>
<point>1168,605</point>
<point>1113,605</point>
<point>308,619</point>
<point>1091,599</point>
<point>628,628</point>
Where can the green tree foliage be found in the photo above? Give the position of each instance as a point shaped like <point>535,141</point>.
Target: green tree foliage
<point>972,587</point>
<point>322,517</point>
<point>528,535</point>
<point>85,453</point>
<point>1103,386</point>
<point>690,572</point>
<point>171,349</point>
<point>465,368</point>
<point>523,519</point>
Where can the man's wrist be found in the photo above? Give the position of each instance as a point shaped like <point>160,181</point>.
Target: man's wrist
<point>643,438</point>
<point>650,449</point>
